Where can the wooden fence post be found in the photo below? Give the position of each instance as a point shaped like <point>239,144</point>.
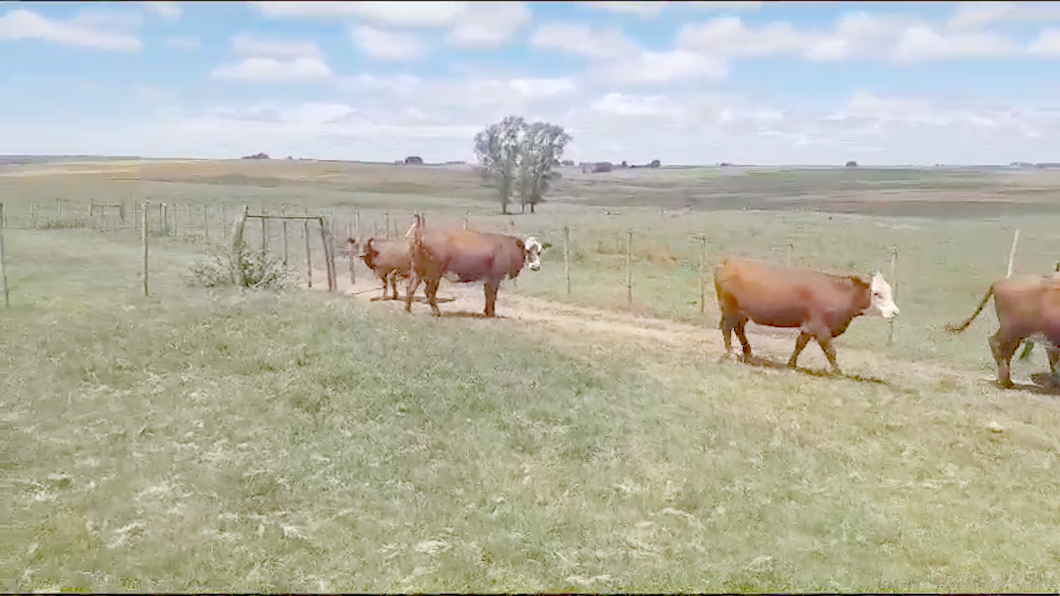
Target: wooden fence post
<point>206,223</point>
<point>386,225</point>
<point>283,211</point>
<point>629,268</point>
<point>703,275</point>
<point>349,252</point>
<point>33,214</point>
<point>1012,252</point>
<point>224,218</point>
<point>357,224</point>
<point>264,238</point>
<point>237,245</point>
<point>329,264</point>
<point>92,213</point>
<point>308,253</point>
<point>894,282</point>
<point>566,256</point>
<point>164,210</point>
<point>791,248</point>
<point>3,260</point>
<point>144,218</point>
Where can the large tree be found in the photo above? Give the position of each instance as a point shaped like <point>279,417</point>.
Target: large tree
<point>518,156</point>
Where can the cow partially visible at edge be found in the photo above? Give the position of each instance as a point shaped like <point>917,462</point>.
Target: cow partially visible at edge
<point>464,256</point>
<point>820,304</point>
<point>1028,307</point>
<point>387,258</point>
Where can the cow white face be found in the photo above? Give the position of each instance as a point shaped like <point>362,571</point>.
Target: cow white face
<point>533,252</point>
<point>881,301</point>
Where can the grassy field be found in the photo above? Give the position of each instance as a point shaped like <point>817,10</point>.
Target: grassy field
<point>291,441</point>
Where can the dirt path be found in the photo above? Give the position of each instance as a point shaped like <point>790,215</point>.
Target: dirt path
<point>591,326</point>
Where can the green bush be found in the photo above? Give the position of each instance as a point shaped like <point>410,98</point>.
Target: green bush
<point>221,268</point>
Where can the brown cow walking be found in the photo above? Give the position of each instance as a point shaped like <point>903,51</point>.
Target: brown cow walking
<point>389,259</point>
<point>1028,307</point>
<point>821,304</point>
<point>464,256</point>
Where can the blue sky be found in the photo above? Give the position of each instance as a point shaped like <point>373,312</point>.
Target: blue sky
<point>684,82</point>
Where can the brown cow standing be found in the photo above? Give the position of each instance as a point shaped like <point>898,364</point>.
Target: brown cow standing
<point>389,259</point>
<point>1028,307</point>
<point>464,256</point>
<point>821,304</point>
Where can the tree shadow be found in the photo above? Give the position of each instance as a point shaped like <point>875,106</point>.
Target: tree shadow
<point>820,374</point>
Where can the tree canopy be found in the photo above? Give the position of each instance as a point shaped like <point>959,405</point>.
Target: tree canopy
<point>519,156</point>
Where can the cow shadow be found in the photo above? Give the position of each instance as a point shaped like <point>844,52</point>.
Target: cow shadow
<point>467,314</point>
<point>818,373</point>
<point>416,299</point>
<point>1043,384</point>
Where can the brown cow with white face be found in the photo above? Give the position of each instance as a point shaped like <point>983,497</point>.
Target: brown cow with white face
<point>821,304</point>
<point>1028,307</point>
<point>387,258</point>
<point>464,256</point>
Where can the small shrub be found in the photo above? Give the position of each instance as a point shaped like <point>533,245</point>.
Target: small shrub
<point>219,268</point>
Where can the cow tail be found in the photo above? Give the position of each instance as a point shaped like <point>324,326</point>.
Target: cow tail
<point>964,325</point>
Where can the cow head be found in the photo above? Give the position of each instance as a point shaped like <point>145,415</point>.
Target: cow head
<point>881,301</point>
<point>533,252</point>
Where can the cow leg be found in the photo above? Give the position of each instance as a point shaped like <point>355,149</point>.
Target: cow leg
<point>431,289</point>
<point>410,290</point>
<point>393,284</point>
<point>384,278</point>
<point>742,336</point>
<point>491,288</point>
<point>800,345</point>
<point>726,334</point>
<point>1054,360</point>
<point>829,352</point>
<point>1003,351</point>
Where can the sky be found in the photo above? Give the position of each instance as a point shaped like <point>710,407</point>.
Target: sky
<point>683,82</point>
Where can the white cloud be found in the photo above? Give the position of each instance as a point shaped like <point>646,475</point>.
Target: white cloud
<point>386,45</point>
<point>660,67</point>
<point>974,15</point>
<point>648,8</point>
<point>183,42</point>
<point>488,24</point>
<point>169,10</point>
<point>923,43</point>
<point>645,8</point>
<point>85,30</point>
<point>902,38</point>
<point>247,44</point>
<point>273,70</point>
<point>579,38</point>
<point>1047,43</point>
<point>390,117</point>
<point>403,14</point>
<point>469,24</point>
<point>728,36</point>
<point>543,87</point>
<point>107,18</point>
